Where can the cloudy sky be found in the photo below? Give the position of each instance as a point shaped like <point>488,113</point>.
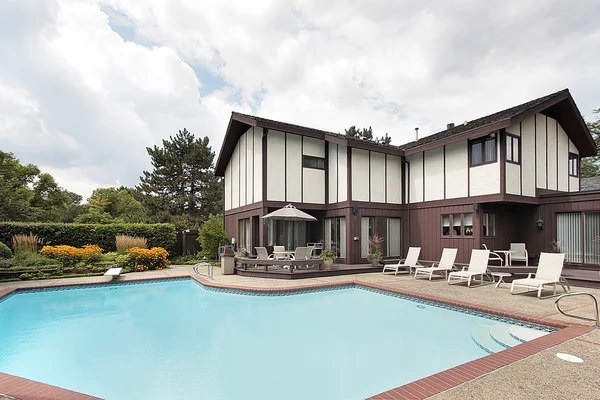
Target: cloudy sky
<point>87,85</point>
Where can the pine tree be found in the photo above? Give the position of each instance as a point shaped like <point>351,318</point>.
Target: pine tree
<point>182,188</point>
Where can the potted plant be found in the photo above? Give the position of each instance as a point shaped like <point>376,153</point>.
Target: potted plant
<point>328,257</point>
<point>375,253</point>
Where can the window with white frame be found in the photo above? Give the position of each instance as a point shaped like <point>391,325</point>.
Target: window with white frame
<point>388,228</point>
<point>457,224</point>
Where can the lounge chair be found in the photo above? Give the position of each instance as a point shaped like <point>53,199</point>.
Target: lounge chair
<point>548,273</point>
<point>477,267</point>
<point>411,261</point>
<point>518,252</point>
<point>301,253</point>
<point>445,265</point>
<point>113,272</point>
<point>495,256</point>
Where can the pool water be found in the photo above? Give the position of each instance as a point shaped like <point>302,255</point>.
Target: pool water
<point>178,340</point>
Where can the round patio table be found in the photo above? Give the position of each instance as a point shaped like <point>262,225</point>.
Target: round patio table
<point>501,276</point>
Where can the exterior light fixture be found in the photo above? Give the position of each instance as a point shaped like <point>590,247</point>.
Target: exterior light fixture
<point>540,223</point>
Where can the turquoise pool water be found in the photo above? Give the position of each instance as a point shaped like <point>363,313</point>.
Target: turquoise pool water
<point>178,340</point>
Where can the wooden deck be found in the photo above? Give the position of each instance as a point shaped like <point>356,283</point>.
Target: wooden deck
<point>284,273</point>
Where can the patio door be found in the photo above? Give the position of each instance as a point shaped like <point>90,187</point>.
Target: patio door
<point>335,236</point>
<point>290,234</point>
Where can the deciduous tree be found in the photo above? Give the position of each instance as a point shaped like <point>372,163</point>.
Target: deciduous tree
<point>590,166</point>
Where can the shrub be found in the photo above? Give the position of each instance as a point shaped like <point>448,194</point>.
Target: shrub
<point>24,244</point>
<point>154,258</point>
<point>212,235</point>
<point>26,276</point>
<point>124,242</point>
<point>69,256</point>
<point>123,261</point>
<point>5,251</point>
<point>77,235</point>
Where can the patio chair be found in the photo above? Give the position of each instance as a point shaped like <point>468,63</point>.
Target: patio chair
<point>494,256</point>
<point>411,261</point>
<point>301,253</point>
<point>519,253</point>
<point>477,267</point>
<point>548,273</point>
<point>445,265</point>
<point>262,254</point>
<point>279,253</point>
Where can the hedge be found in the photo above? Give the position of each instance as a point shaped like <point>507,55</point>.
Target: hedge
<point>156,235</point>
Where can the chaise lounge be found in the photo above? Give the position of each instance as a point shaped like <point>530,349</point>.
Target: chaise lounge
<point>411,261</point>
<point>445,265</point>
<point>477,267</point>
<point>548,272</point>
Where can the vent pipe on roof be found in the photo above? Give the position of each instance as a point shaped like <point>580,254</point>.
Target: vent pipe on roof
<point>450,125</point>
<point>417,133</point>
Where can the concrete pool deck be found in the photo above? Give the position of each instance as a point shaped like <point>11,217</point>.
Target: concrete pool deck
<point>538,374</point>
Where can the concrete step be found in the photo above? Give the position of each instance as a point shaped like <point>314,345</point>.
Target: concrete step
<point>501,335</point>
<point>523,334</point>
<point>481,336</point>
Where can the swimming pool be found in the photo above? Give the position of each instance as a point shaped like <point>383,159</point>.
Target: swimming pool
<point>180,340</point>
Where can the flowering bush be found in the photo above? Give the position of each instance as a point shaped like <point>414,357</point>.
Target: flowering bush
<point>68,256</point>
<point>154,258</point>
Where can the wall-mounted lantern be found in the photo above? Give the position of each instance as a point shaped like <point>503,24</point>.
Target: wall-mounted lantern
<point>540,223</point>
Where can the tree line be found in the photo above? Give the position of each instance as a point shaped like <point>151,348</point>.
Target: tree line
<point>180,189</point>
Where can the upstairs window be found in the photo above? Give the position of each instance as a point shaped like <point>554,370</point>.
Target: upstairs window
<point>573,164</point>
<point>512,149</point>
<point>483,150</point>
<point>313,162</point>
<point>457,225</point>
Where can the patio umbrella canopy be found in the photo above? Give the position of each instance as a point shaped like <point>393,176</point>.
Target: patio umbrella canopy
<point>289,213</point>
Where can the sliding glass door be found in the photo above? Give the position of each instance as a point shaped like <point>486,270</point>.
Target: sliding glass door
<point>335,236</point>
<point>578,236</point>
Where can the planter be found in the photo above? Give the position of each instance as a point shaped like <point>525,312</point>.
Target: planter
<point>327,264</point>
<point>375,263</point>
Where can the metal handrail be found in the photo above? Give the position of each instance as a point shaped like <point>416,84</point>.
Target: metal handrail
<point>204,264</point>
<point>597,315</point>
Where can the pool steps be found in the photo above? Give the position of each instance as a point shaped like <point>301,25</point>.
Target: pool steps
<point>498,337</point>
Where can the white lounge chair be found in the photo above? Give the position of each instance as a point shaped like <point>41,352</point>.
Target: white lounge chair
<point>518,252</point>
<point>301,253</point>
<point>477,267</point>
<point>548,273</point>
<point>495,256</point>
<point>411,261</point>
<point>279,253</point>
<point>262,254</point>
<point>445,265</point>
<point>113,272</point>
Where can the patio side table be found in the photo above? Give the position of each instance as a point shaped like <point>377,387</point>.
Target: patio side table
<point>500,276</point>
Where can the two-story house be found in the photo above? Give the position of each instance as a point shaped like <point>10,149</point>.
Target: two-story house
<point>512,176</point>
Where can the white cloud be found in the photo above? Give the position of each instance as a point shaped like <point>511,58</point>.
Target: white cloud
<point>82,102</point>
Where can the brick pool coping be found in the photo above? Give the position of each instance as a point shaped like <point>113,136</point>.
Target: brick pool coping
<point>26,389</point>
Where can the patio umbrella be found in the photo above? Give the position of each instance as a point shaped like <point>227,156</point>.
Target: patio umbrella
<point>289,213</point>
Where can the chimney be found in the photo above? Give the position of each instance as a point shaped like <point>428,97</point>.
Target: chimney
<point>450,125</point>
<point>417,133</point>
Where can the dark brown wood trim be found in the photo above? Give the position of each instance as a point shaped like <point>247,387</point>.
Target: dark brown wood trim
<point>546,157</point>
<point>505,123</point>
<point>253,161</point>
<point>349,172</point>
<point>285,196</point>
<point>385,182</point>
<point>302,172</point>
<point>557,152</point>
<point>520,150</point>
<point>539,108</point>
<point>520,157</point>
<point>246,169</point>
<point>482,140</point>
<point>502,142</point>
<point>369,180</point>
<point>304,206</point>
<point>362,145</point>
<point>575,156</point>
<point>250,207</point>
<point>326,147</point>
<point>337,169</point>
<point>535,179</point>
<point>239,172</point>
<point>264,165</point>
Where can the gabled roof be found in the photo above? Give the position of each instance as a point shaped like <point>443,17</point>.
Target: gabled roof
<point>588,184</point>
<point>559,105</point>
<point>240,123</point>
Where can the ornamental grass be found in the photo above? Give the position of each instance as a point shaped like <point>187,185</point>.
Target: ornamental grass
<point>125,242</point>
<point>24,245</point>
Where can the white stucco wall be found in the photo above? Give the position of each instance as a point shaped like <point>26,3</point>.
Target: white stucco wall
<point>540,150</point>
<point>293,168</point>
<point>416,177</point>
<point>342,173</point>
<point>314,186</point>
<point>249,166</point>
<point>235,177</point>
<point>276,166</point>
<point>360,175</point>
<point>551,170</point>
<point>528,173</point>
<point>457,167</point>
<point>434,174</point>
<point>563,160</point>
<point>332,164</point>
<point>313,147</point>
<point>513,178</point>
<point>485,179</point>
<point>258,165</point>
<point>242,152</point>
<point>377,180</point>
<point>227,184</point>
<point>394,179</point>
